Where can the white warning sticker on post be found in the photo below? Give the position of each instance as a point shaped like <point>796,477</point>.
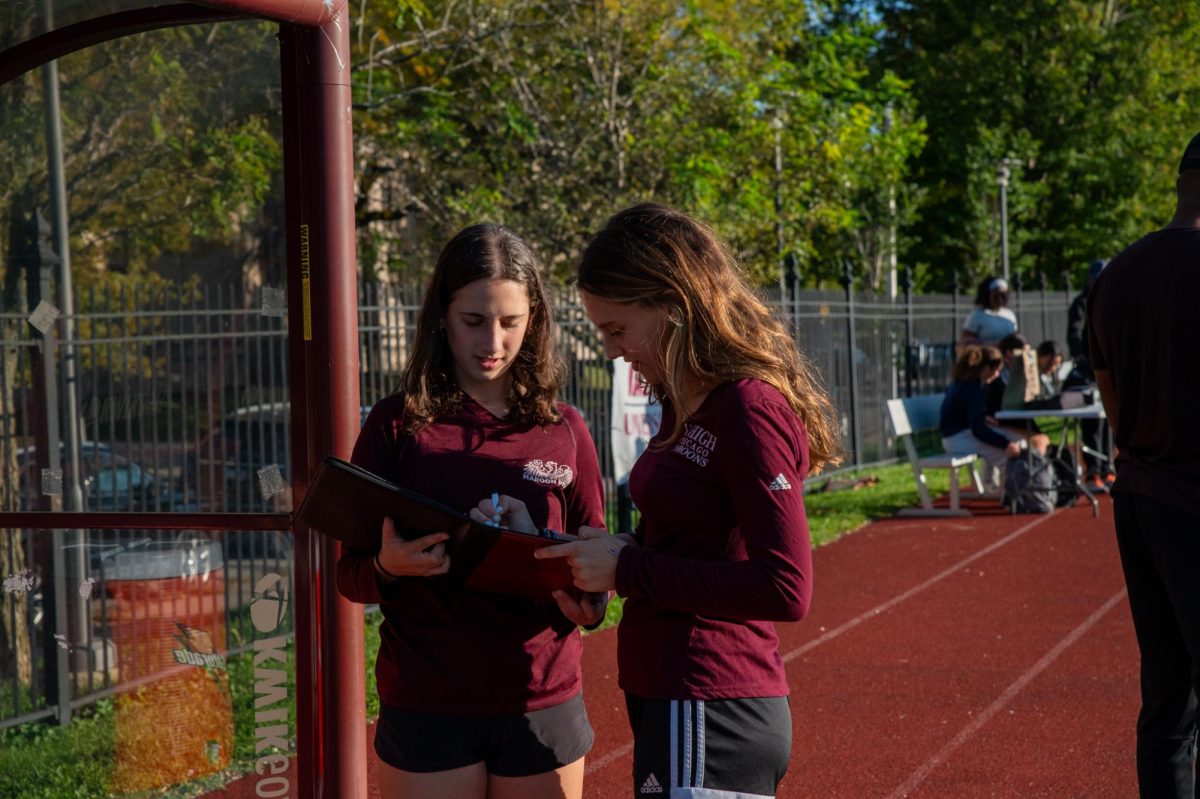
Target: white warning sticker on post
<point>44,316</point>
<point>270,481</point>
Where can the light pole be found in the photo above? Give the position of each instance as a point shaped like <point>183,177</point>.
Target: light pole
<point>1003,172</point>
<point>888,113</point>
<point>76,619</point>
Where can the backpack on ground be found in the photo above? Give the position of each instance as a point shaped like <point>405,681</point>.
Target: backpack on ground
<point>1030,483</point>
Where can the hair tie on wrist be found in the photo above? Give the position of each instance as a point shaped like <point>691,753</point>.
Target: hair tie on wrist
<point>383,571</point>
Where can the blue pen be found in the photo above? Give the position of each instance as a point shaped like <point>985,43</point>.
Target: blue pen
<point>496,505</point>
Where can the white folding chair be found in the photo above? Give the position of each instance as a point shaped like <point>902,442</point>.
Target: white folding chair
<point>917,414</point>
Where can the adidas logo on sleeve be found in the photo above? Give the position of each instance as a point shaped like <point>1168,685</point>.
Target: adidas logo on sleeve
<point>651,785</point>
<point>780,483</point>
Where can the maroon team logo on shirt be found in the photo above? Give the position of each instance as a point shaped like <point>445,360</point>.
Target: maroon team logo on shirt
<point>549,473</point>
<point>696,444</point>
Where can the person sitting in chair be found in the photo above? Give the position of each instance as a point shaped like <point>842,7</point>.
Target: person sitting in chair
<point>965,425</point>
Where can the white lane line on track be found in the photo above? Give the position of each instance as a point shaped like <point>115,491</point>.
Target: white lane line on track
<point>916,589</point>
<point>615,754</point>
<point>627,747</point>
<point>917,777</point>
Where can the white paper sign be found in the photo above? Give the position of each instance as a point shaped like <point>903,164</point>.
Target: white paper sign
<point>52,482</point>
<point>44,316</point>
<point>635,419</point>
<point>270,481</point>
<point>274,301</point>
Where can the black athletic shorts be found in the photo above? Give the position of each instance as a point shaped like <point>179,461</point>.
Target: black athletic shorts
<point>509,746</point>
<point>714,749</point>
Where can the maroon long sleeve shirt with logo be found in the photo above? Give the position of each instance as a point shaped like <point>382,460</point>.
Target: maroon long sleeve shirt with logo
<point>724,550</point>
<point>456,652</point>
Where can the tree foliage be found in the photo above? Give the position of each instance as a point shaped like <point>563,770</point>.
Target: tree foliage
<point>550,116</point>
<point>1095,100</point>
<point>170,143</point>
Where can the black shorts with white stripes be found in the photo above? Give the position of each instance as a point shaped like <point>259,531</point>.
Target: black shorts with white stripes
<point>714,749</point>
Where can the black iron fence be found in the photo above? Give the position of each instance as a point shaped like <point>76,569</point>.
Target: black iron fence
<point>182,405</point>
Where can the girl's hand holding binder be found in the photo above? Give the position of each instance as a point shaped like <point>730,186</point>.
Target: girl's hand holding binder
<point>593,560</point>
<point>421,557</point>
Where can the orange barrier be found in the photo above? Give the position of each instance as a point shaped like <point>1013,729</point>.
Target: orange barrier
<point>174,721</point>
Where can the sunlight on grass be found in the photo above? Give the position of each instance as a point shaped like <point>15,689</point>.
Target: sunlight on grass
<point>835,513</point>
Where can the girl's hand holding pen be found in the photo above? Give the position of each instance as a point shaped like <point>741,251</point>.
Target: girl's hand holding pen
<point>421,557</point>
<point>593,560</point>
<point>503,511</point>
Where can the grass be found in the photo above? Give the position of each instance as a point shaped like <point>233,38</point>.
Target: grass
<point>833,514</point>
<point>42,760</point>
<point>45,761</point>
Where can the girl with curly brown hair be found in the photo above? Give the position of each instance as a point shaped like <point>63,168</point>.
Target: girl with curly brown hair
<point>480,694</point>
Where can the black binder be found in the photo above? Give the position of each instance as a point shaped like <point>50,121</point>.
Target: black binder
<point>349,503</point>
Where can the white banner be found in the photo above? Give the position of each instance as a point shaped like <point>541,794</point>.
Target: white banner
<point>634,419</point>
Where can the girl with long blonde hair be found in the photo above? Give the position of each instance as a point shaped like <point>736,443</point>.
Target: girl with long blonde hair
<point>722,549</point>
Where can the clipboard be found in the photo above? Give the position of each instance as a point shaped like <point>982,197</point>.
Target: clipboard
<point>348,502</point>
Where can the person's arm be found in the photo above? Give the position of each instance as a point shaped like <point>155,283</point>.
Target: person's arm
<point>994,394</point>
<point>585,507</point>
<point>774,582</point>
<point>1108,398</point>
<point>977,416</point>
<point>1076,322</point>
<point>1099,358</point>
<point>375,450</point>
<point>970,332</point>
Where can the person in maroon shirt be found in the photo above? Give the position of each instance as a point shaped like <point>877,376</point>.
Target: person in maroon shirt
<point>480,693</point>
<point>722,549</point>
<point>1147,367</point>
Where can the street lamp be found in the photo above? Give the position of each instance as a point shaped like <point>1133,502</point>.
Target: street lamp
<point>1003,173</point>
<point>888,114</point>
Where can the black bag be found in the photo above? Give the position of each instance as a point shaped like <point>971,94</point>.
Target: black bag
<point>1064,476</point>
<point>1030,483</point>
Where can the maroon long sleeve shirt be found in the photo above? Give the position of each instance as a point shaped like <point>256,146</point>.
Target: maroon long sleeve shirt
<point>451,651</point>
<point>724,550</point>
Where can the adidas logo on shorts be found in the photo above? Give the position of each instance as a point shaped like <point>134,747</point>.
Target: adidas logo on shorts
<point>651,785</point>
<point>780,483</point>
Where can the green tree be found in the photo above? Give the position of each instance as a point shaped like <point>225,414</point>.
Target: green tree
<point>1093,98</point>
<point>550,116</point>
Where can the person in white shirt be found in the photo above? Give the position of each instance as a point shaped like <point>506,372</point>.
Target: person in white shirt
<point>992,319</point>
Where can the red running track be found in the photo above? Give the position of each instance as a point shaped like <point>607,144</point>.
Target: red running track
<point>989,656</point>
